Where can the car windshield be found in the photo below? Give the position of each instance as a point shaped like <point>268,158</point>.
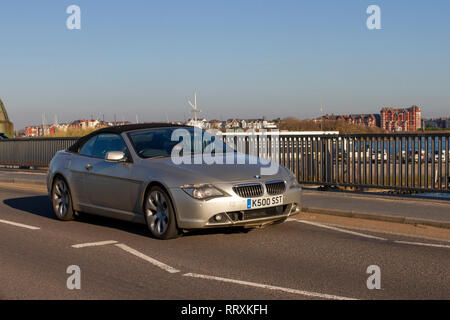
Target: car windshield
<point>154,143</point>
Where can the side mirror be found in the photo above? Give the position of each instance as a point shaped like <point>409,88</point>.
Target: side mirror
<point>116,156</point>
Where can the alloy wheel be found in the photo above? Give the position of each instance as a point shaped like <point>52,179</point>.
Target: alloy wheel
<point>157,212</point>
<point>61,198</point>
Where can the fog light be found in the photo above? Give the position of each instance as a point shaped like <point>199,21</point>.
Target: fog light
<point>294,207</point>
<point>219,218</point>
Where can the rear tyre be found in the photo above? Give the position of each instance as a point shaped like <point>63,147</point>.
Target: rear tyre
<point>62,200</point>
<point>160,215</point>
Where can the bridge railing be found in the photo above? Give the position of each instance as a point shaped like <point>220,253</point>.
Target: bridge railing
<point>402,161</point>
<point>409,161</point>
<point>31,152</point>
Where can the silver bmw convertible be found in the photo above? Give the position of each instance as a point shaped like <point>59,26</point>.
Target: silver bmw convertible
<point>129,173</point>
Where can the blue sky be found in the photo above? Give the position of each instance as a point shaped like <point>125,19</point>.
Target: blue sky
<point>245,58</point>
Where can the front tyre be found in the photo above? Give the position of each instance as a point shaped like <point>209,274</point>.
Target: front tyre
<point>160,215</point>
<point>62,200</point>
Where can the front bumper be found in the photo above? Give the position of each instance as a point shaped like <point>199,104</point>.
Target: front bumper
<point>195,214</point>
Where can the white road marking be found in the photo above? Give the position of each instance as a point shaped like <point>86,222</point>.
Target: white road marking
<point>423,244</point>
<point>372,237</point>
<point>269,287</point>
<point>94,244</point>
<point>19,225</point>
<point>338,229</point>
<point>155,262</point>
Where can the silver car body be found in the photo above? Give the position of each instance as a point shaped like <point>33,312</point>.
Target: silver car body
<point>117,189</point>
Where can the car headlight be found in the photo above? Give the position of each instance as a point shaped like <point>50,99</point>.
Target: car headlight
<point>292,181</point>
<point>203,191</point>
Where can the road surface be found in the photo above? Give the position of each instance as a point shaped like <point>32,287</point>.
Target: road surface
<point>294,260</point>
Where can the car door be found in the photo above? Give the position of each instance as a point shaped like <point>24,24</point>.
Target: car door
<point>108,183</point>
<point>79,164</point>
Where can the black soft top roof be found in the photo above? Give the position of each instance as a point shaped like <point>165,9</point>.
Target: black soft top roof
<point>119,129</point>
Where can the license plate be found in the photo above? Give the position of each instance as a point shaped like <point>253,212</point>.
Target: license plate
<point>264,202</point>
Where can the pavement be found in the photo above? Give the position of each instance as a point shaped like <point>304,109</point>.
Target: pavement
<point>23,176</point>
<point>299,259</point>
<point>379,207</point>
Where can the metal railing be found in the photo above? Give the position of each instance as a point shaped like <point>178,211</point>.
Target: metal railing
<point>409,161</point>
<point>31,152</point>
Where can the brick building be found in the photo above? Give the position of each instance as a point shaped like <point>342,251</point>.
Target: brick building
<point>33,131</point>
<point>408,119</point>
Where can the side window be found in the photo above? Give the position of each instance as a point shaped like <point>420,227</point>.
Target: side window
<point>107,142</point>
<point>87,148</point>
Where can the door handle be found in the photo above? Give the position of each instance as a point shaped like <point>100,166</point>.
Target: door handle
<point>88,166</point>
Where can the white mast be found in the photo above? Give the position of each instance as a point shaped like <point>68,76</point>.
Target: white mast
<point>194,107</point>
<point>321,113</point>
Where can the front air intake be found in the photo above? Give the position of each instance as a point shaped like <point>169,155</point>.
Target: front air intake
<point>275,187</point>
<point>251,190</point>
